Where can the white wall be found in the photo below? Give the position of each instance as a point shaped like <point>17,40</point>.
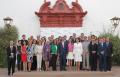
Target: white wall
<point>22,11</point>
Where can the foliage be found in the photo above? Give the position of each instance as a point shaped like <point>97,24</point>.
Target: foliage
<point>6,34</point>
<point>116,46</point>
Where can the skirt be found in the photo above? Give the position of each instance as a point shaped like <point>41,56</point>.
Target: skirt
<point>78,58</point>
<point>70,56</point>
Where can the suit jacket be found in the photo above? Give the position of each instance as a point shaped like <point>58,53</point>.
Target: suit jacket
<point>9,51</point>
<point>62,50</point>
<point>73,40</point>
<point>102,49</point>
<point>109,49</point>
<point>85,45</point>
<point>93,47</point>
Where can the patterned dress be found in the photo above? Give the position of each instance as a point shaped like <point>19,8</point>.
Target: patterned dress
<point>30,55</point>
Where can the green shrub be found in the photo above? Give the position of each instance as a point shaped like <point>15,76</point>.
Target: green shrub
<point>6,34</point>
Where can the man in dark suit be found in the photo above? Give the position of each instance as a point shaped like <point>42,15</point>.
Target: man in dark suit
<point>73,37</point>
<point>62,49</point>
<point>93,47</point>
<point>109,50</point>
<point>11,58</point>
<point>102,55</point>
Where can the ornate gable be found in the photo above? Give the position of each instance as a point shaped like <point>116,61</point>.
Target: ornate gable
<point>61,15</point>
<point>60,7</point>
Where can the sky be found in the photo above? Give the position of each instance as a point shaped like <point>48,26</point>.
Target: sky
<point>23,13</point>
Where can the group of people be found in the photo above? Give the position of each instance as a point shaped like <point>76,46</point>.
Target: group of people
<point>84,53</point>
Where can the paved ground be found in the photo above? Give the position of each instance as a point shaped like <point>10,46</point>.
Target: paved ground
<point>114,73</point>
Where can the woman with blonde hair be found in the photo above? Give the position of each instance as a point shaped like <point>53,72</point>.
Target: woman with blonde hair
<point>39,50</point>
<point>29,56</point>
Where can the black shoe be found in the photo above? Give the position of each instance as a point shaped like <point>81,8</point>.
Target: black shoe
<point>105,70</point>
<point>61,69</point>
<point>101,70</point>
<point>12,74</point>
<point>65,69</point>
<point>8,73</point>
<point>109,69</point>
<point>83,69</point>
<point>88,69</point>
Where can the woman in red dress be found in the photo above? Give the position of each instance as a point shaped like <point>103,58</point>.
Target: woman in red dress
<point>24,56</point>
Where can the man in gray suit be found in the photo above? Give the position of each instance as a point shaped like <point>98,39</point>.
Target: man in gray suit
<point>85,44</point>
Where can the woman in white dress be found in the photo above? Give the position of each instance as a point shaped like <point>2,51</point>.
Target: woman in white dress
<point>77,52</point>
<point>39,50</point>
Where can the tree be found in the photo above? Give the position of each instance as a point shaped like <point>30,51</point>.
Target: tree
<point>6,35</point>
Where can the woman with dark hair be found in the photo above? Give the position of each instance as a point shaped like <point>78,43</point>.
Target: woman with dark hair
<point>24,56</point>
<point>70,53</point>
<point>43,39</point>
<point>77,52</point>
<point>19,55</point>
<point>54,51</point>
<point>46,54</point>
<point>34,63</point>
